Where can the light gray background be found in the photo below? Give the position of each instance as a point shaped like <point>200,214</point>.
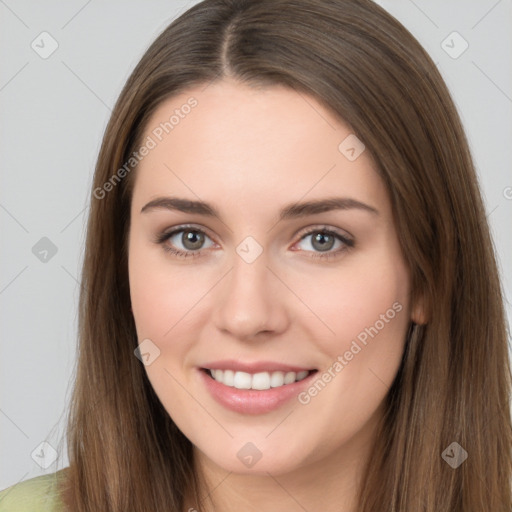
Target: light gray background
<point>54,112</point>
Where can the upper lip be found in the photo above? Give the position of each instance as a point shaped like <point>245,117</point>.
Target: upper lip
<point>254,366</point>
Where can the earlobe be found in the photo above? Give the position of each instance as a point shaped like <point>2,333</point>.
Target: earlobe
<point>418,312</point>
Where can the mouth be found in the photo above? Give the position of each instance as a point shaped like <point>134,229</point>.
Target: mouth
<point>258,381</point>
<point>254,391</point>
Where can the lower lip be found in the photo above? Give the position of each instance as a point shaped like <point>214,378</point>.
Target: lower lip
<point>252,401</point>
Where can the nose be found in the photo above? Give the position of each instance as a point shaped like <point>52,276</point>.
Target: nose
<point>252,301</point>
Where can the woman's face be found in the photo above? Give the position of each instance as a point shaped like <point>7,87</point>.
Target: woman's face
<point>308,306</point>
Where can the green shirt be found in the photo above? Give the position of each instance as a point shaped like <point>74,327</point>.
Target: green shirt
<point>37,494</point>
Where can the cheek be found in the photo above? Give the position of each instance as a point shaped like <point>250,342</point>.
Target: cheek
<point>163,302</point>
<point>157,294</point>
<point>167,301</point>
<point>366,307</point>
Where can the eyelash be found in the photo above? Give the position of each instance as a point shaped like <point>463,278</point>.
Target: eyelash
<point>164,236</point>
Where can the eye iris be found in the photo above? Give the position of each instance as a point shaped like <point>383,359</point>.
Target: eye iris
<point>192,239</point>
<point>321,238</point>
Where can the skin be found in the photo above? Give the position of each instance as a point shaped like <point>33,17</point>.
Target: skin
<point>249,152</point>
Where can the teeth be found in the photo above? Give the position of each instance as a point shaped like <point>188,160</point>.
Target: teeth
<point>276,379</point>
<point>302,375</point>
<point>259,381</point>
<point>228,377</point>
<point>242,380</point>
<point>289,377</point>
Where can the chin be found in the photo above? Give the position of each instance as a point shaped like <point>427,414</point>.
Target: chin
<point>257,458</point>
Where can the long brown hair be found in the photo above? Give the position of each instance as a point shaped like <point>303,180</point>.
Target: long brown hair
<point>454,383</point>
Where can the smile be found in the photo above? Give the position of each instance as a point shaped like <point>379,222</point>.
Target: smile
<point>258,381</point>
<point>255,388</point>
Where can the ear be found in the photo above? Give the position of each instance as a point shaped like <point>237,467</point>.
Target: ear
<point>419,311</point>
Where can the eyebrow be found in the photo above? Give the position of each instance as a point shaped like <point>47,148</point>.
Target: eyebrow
<point>291,211</point>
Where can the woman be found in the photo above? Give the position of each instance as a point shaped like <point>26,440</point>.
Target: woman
<point>290,298</point>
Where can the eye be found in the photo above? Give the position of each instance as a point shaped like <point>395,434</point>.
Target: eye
<point>324,239</point>
<point>190,238</point>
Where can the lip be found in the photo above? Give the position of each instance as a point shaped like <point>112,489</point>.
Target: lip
<point>252,401</point>
<point>253,367</point>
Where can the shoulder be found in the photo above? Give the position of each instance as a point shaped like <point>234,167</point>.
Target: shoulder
<point>39,493</point>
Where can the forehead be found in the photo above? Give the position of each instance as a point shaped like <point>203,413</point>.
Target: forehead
<point>229,141</point>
